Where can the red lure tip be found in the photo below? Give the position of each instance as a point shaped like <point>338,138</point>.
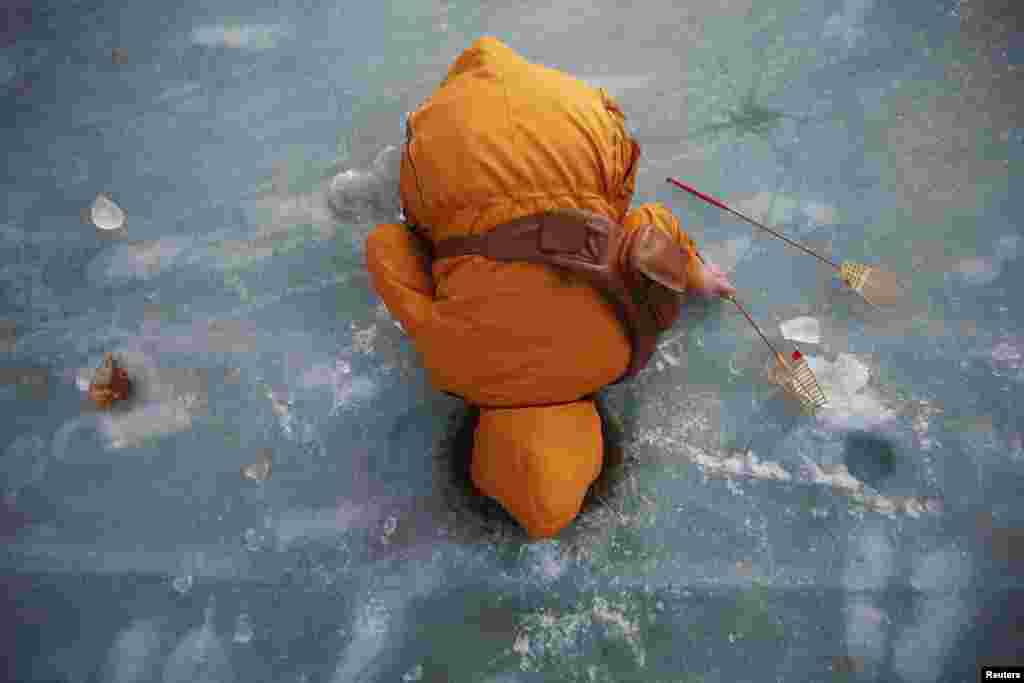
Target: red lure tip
<point>797,355</point>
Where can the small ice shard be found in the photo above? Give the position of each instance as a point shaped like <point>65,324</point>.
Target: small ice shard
<point>259,470</point>
<point>200,657</point>
<point>243,629</point>
<point>280,408</point>
<point>803,329</point>
<point>390,526</point>
<point>182,584</point>
<point>252,540</point>
<point>414,674</point>
<point>106,215</point>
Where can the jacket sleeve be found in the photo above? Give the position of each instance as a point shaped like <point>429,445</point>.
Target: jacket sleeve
<point>399,269</point>
<point>664,303</point>
<point>659,216</point>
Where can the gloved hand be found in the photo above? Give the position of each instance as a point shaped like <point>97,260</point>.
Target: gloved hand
<point>712,281</point>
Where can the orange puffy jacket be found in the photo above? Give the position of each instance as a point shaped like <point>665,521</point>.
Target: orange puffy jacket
<point>503,138</point>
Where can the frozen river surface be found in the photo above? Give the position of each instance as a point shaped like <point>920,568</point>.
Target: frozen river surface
<point>878,541</point>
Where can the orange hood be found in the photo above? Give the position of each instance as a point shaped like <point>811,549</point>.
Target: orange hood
<point>538,462</point>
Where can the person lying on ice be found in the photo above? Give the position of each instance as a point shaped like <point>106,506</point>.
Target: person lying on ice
<point>521,275</point>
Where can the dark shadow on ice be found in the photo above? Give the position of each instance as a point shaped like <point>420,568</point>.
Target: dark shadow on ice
<point>869,457</point>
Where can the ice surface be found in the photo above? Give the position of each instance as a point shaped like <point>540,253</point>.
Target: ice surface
<point>871,560</point>
<point>378,613</point>
<point>866,630</point>
<point>978,271</point>
<point>135,655</point>
<point>919,652</point>
<point>811,176</point>
<point>24,463</point>
<point>200,657</point>
<point>1008,246</point>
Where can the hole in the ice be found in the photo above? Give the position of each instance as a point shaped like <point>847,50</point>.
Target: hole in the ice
<point>478,513</point>
<point>869,457</point>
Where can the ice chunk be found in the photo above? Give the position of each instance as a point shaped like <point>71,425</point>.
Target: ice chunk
<point>259,470</point>
<point>802,329</point>
<point>106,215</point>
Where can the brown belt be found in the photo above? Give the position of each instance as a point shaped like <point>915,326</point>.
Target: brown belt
<point>530,238</point>
<point>587,245</point>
